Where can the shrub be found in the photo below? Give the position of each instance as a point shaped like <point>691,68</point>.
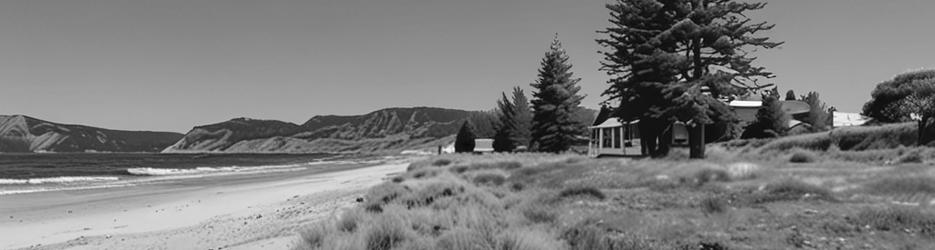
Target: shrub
<point>897,219</point>
<point>582,191</point>
<point>489,179</point>
<point>517,186</point>
<point>802,156</point>
<point>793,190</point>
<point>713,205</point>
<point>397,179</point>
<point>441,162</point>
<point>385,233</point>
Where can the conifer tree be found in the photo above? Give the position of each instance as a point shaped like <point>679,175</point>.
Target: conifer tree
<point>790,95</point>
<point>818,115</point>
<point>522,117</point>
<point>771,120</point>
<point>662,56</point>
<point>464,141</point>
<point>503,140</point>
<point>555,99</point>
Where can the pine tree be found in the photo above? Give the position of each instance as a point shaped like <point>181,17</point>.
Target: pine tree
<point>663,55</point>
<point>506,126</point>
<point>555,99</point>
<point>818,115</point>
<point>522,118</point>
<point>464,141</point>
<point>771,120</point>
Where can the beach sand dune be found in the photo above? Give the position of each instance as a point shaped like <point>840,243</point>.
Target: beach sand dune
<point>243,212</point>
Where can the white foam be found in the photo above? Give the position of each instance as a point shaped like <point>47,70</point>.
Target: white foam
<point>59,180</point>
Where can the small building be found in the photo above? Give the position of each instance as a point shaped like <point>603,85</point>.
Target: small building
<point>483,145</point>
<point>841,119</point>
<point>611,137</point>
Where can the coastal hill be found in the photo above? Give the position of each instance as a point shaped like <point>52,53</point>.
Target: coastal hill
<point>392,129</point>
<point>23,134</point>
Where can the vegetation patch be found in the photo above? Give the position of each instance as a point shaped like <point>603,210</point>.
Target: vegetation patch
<point>802,156</point>
<point>910,220</point>
<point>386,233</point>
<point>441,162</point>
<point>713,205</point>
<point>791,190</point>
<point>493,179</point>
<point>903,185</point>
<point>582,191</point>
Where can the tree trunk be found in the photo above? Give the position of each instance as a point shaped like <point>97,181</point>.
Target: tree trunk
<point>696,142</point>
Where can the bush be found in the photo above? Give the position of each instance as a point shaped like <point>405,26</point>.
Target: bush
<point>385,233</point>
<point>441,162</point>
<point>793,190</point>
<point>911,220</point>
<point>713,205</point>
<point>802,156</point>
<point>579,191</point>
<point>489,179</point>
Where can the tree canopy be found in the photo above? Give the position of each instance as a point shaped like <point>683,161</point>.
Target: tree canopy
<point>464,141</point>
<point>664,55</point>
<point>555,101</point>
<point>888,101</point>
<point>503,140</point>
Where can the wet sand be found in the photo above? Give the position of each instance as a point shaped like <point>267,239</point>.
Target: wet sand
<point>263,211</point>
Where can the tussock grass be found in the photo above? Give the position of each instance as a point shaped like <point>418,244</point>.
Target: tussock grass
<point>349,221</point>
<point>441,162</point>
<point>708,175</point>
<point>385,233</point>
<point>589,236</point>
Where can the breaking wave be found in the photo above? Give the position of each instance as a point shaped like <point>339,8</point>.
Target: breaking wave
<point>212,170</point>
<point>59,180</point>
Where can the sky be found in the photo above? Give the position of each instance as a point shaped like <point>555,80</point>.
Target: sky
<point>169,65</point>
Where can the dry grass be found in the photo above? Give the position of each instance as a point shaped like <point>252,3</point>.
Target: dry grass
<point>530,201</point>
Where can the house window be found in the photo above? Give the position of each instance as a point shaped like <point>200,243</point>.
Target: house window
<point>617,137</point>
<point>608,138</point>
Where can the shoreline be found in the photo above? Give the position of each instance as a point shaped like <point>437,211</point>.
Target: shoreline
<point>132,217</point>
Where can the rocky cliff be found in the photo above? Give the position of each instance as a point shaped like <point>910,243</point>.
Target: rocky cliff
<point>22,134</point>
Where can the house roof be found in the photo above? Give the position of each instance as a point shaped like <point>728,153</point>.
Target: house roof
<point>841,119</point>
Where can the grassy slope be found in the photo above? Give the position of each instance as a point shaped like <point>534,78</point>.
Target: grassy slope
<point>530,201</point>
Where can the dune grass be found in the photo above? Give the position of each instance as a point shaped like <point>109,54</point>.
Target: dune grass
<point>530,201</point>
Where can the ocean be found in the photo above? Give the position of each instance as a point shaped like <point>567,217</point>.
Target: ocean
<point>29,173</point>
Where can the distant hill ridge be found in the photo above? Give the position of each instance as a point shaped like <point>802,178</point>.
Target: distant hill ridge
<point>20,133</point>
<point>382,130</point>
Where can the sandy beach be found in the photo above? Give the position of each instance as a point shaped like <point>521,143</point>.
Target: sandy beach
<point>263,211</point>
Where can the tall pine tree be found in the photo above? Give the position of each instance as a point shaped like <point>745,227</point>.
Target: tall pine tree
<point>503,140</point>
<point>522,117</point>
<point>555,99</point>
<point>663,55</point>
<point>464,141</point>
